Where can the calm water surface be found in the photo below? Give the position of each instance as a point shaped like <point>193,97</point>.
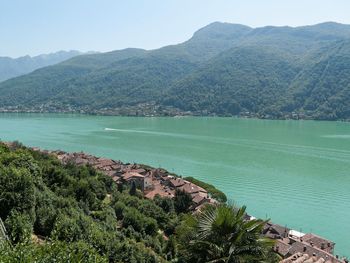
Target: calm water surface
<point>295,172</point>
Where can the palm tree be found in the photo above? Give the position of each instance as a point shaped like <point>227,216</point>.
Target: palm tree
<point>223,235</point>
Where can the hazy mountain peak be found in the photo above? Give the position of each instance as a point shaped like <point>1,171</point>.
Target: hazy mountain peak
<point>13,67</point>
<point>221,30</point>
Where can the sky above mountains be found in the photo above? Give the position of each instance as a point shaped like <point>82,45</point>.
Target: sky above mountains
<point>39,26</point>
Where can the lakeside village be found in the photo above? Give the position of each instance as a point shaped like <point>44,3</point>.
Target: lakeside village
<point>291,245</point>
<point>153,110</point>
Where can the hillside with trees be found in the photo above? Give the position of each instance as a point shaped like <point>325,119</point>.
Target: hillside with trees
<point>223,70</point>
<point>14,67</point>
<point>67,213</point>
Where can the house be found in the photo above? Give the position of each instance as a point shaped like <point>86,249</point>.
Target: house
<point>305,258</point>
<point>300,246</point>
<point>191,188</point>
<point>132,177</point>
<point>104,164</point>
<point>148,182</point>
<point>198,199</point>
<point>275,231</point>
<point>282,248</point>
<point>176,182</point>
<point>293,249</point>
<point>139,171</point>
<point>160,190</point>
<point>319,242</point>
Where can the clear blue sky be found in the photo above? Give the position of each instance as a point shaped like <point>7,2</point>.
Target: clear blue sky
<point>43,26</point>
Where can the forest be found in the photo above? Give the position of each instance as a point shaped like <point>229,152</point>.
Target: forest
<point>223,70</point>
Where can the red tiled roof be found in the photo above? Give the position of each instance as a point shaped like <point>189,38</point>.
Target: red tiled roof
<point>192,188</point>
<point>282,248</point>
<point>306,248</point>
<point>305,258</point>
<point>177,182</point>
<point>139,171</point>
<point>318,241</point>
<point>128,176</point>
<point>198,198</point>
<point>105,162</point>
<point>159,190</point>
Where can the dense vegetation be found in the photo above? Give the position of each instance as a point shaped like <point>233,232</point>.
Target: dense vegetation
<point>224,69</point>
<point>64,213</point>
<point>13,67</point>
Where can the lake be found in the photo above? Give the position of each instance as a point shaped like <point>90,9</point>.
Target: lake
<point>295,172</point>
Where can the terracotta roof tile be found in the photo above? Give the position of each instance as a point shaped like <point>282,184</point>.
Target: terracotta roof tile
<point>128,176</point>
<point>177,182</point>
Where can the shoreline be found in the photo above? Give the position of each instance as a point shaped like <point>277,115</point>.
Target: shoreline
<point>174,116</point>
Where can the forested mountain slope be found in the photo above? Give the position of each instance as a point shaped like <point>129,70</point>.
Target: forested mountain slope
<point>10,67</point>
<point>224,69</point>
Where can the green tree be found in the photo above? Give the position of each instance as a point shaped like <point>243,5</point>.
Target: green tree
<point>223,235</point>
<point>17,191</point>
<point>182,201</point>
<point>133,189</point>
<point>19,227</point>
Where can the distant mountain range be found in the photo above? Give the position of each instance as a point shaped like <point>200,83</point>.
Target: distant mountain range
<point>14,67</point>
<point>224,69</point>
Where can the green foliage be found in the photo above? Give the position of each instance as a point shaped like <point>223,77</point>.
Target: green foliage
<point>182,201</point>
<point>132,190</point>
<point>132,217</point>
<point>17,191</point>
<point>19,226</point>
<point>60,252</point>
<point>224,69</point>
<point>220,234</point>
<point>167,204</point>
<point>213,192</point>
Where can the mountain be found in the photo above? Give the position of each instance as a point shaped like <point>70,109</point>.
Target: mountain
<point>224,69</point>
<point>323,87</point>
<point>10,67</point>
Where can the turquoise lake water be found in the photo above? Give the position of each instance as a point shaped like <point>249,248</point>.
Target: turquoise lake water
<point>295,172</point>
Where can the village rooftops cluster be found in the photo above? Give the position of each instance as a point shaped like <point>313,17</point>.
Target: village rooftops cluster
<point>150,181</point>
<point>305,258</point>
<point>298,247</point>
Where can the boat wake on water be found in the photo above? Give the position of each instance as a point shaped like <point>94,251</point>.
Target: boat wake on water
<point>337,136</point>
